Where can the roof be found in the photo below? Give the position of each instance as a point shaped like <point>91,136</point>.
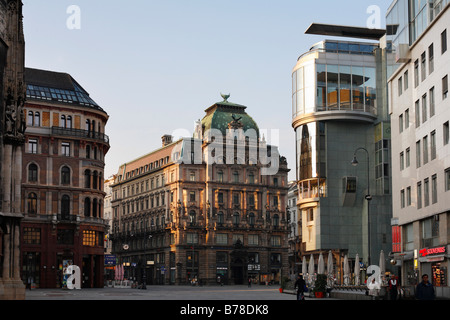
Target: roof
<point>345,31</point>
<point>221,114</point>
<point>57,87</point>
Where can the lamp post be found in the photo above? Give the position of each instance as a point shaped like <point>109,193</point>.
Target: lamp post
<point>368,197</point>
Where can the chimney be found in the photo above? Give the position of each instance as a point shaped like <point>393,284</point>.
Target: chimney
<point>166,140</point>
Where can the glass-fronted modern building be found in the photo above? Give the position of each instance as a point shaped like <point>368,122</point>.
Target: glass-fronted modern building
<point>338,111</point>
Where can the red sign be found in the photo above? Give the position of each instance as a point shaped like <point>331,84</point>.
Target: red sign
<point>430,251</point>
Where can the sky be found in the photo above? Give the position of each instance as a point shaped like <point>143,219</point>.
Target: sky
<point>155,65</point>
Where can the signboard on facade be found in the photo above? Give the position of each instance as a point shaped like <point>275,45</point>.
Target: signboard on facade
<point>110,260</point>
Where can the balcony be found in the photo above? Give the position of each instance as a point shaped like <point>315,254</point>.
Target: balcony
<point>78,133</point>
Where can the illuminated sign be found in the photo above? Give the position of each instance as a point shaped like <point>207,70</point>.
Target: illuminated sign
<point>431,251</point>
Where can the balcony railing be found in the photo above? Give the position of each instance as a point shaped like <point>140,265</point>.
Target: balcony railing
<point>78,133</point>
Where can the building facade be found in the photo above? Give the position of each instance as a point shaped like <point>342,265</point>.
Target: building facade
<point>419,110</point>
<point>204,208</point>
<point>62,185</point>
<point>12,128</point>
<point>295,229</point>
<point>339,113</point>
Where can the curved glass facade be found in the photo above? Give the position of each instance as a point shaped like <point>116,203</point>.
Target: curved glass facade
<point>311,159</point>
<point>330,87</point>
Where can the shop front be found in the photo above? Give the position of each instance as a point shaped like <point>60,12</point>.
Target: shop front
<point>434,262</point>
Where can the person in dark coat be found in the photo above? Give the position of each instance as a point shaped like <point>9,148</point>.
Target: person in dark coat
<point>300,284</point>
<point>425,290</point>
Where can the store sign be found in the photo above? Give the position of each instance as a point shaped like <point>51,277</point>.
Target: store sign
<point>432,251</point>
<point>254,267</point>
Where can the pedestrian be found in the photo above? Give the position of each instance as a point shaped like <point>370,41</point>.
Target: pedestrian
<point>301,285</point>
<point>393,287</point>
<point>374,289</point>
<point>425,290</point>
<point>249,282</point>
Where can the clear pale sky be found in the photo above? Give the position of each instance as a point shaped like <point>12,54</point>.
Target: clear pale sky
<point>155,65</point>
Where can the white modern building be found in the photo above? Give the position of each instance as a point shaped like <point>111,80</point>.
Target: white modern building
<point>420,114</point>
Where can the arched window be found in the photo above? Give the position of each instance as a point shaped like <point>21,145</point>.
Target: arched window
<point>30,118</point>
<point>37,119</point>
<point>65,175</point>
<point>94,208</point>
<point>65,207</point>
<point>95,180</point>
<point>32,203</point>
<point>220,218</point>
<point>236,218</point>
<point>87,178</point>
<point>88,151</point>
<point>251,219</point>
<point>100,208</point>
<point>63,121</point>
<point>88,125</point>
<point>32,173</point>
<point>192,217</point>
<point>87,207</point>
<point>276,220</point>
<point>69,122</point>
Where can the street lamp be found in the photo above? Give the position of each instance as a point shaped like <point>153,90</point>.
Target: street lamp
<point>368,197</point>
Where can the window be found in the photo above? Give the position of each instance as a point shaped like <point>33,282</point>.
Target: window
<point>424,65</point>
<point>63,121</point>
<point>433,145</point>
<point>400,123</point>
<point>192,176</point>
<point>444,87</point>
<point>65,149</point>
<point>88,151</point>
<point>65,207</point>
<point>447,179</point>
<point>419,195</point>
<point>426,192</point>
<point>400,86</point>
<point>446,135</point>
<point>37,119</point>
<point>424,108</point>
<point>275,241</point>
<point>91,238</point>
<point>405,80</point>
<point>408,196</point>
<point>434,189</point>
<point>251,219</point>
<point>430,58</point>
<point>418,155</point>
<point>253,240</point>
<point>87,207</point>
<point>30,118</point>
<point>236,218</point>
<point>192,196</point>
<point>32,173</point>
<point>444,41</point>
<point>237,237</point>
<point>416,73</point>
<point>32,146</point>
<point>32,235</point>
<point>417,113</point>
<point>220,218</point>
<point>221,238</point>
<point>220,197</point>
<point>402,198</point>
<point>32,203</point>
<point>65,175</point>
<point>425,150</point>
<point>220,176</point>
<point>406,118</point>
<point>276,220</point>
<point>251,178</point>
<point>192,217</point>
<point>432,102</point>
<point>69,122</point>
<point>408,158</point>
<point>236,177</point>
<point>87,178</point>
<point>402,161</point>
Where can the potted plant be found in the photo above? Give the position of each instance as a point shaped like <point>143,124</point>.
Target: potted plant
<point>284,282</point>
<point>320,286</point>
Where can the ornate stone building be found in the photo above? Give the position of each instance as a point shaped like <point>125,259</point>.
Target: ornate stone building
<point>12,128</point>
<point>206,208</point>
<point>62,185</point>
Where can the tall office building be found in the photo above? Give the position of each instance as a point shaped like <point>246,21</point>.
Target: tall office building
<point>419,67</point>
<point>338,113</point>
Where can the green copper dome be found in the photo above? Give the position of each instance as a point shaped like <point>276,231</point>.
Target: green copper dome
<point>223,114</point>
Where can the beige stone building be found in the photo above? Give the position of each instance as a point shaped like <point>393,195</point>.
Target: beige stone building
<point>208,208</point>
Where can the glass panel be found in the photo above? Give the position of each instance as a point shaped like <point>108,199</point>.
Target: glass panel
<point>321,87</point>
<point>345,87</point>
<point>332,87</point>
<point>310,105</point>
<point>370,88</point>
<point>358,88</point>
